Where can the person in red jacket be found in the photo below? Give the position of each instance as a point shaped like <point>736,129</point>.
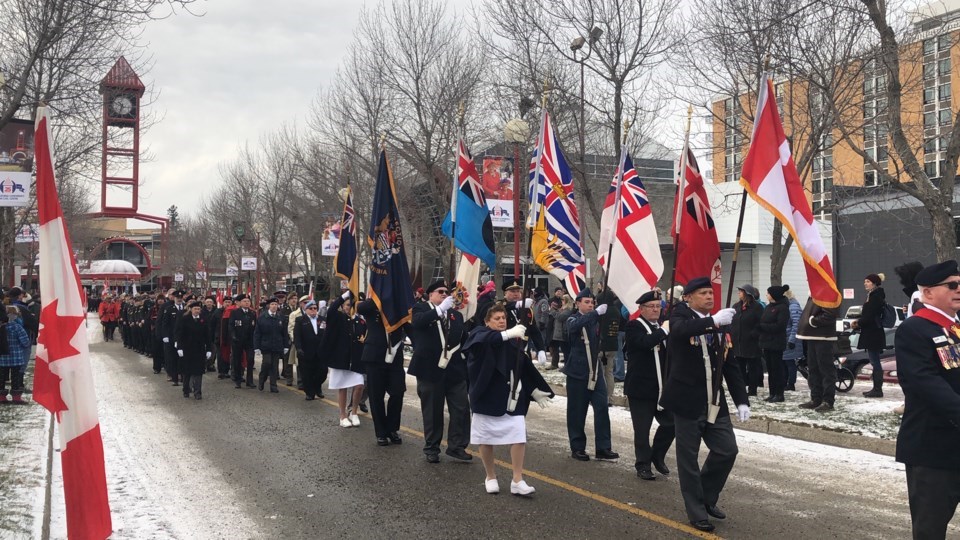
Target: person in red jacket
<point>109,311</point>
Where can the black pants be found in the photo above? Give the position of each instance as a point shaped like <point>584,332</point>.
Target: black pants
<point>15,376</point>
<point>236,363</point>
<point>269,368</point>
<point>108,329</point>
<point>385,379</point>
<point>157,355</point>
<point>702,486</point>
<point>555,353</point>
<point>171,363</point>
<point>192,383</point>
<point>312,374</point>
<point>642,413</point>
<point>752,370</point>
<point>432,397</point>
<point>778,375</point>
<point>934,495</point>
<point>823,374</point>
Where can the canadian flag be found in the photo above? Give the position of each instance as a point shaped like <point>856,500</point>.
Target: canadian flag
<point>63,380</point>
<point>770,177</point>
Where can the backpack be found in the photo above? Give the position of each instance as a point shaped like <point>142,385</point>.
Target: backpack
<point>888,317</point>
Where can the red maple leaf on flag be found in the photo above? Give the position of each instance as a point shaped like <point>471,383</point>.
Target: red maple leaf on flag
<point>55,337</point>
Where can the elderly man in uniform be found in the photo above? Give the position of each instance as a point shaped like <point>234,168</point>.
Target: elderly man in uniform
<point>383,360</point>
<point>243,321</point>
<point>194,349</point>
<point>519,311</point>
<point>169,318</point>
<point>694,395</point>
<point>292,358</point>
<point>585,382</point>
<point>647,369</point>
<point>928,366</point>
<point>437,332</point>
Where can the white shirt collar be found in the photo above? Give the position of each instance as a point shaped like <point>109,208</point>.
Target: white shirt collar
<point>942,312</point>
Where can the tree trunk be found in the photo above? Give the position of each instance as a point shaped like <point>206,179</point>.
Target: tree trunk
<point>944,233</point>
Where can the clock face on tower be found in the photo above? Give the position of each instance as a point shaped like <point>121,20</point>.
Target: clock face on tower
<point>122,106</point>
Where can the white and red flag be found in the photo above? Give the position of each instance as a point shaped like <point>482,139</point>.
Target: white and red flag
<point>63,380</point>
<point>694,232</point>
<point>770,177</point>
<point>629,236</point>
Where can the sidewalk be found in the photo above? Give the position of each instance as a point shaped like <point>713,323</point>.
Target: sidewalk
<point>856,422</point>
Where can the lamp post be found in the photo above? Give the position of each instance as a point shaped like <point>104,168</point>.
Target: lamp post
<point>240,231</point>
<point>575,46</point>
<point>517,132</point>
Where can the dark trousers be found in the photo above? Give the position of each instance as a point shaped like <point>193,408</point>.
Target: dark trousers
<point>790,374</point>
<point>385,379</point>
<point>701,486</point>
<point>752,370</point>
<point>432,397</point>
<point>15,376</point>
<point>223,359</point>
<point>877,375</point>
<point>108,330</point>
<point>192,383</point>
<point>934,495</point>
<point>269,367</point>
<point>579,399</point>
<point>157,355</point>
<point>170,360</point>
<point>236,363</point>
<point>777,379</point>
<point>555,353</point>
<point>312,374</point>
<point>642,413</point>
<point>823,374</point>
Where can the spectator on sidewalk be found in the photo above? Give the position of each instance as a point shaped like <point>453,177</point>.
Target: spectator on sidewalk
<point>817,328</point>
<point>872,337</point>
<point>13,360</point>
<point>773,339</point>
<point>794,350</point>
<point>745,337</point>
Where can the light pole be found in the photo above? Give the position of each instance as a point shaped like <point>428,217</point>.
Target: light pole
<point>517,132</point>
<point>575,46</point>
<point>240,231</point>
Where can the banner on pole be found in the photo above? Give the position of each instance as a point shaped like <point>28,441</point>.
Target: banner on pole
<point>331,237</point>
<point>497,181</point>
<point>14,188</point>
<point>178,277</point>
<point>233,271</point>
<point>248,263</point>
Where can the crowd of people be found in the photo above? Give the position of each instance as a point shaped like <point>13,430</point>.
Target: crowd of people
<point>18,334</point>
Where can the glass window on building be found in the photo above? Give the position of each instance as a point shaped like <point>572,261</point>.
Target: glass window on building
<point>827,183</point>
<point>929,95</point>
<point>869,178</point>
<point>943,92</point>
<point>945,115</point>
<point>869,109</point>
<point>929,120</point>
<point>817,205</point>
<point>943,67</point>
<point>882,131</point>
<point>815,186</point>
<point>882,153</point>
<point>944,42</point>
<point>868,85</point>
<point>869,132</point>
<point>881,84</point>
<point>931,169</point>
<point>827,163</point>
<point>929,46</point>
<point>930,145</point>
<point>929,71</point>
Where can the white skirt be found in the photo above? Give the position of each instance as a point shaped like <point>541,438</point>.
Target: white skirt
<point>504,429</point>
<point>344,378</point>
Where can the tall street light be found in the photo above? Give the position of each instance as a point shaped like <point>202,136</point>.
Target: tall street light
<point>576,45</point>
<point>240,231</point>
<point>517,132</point>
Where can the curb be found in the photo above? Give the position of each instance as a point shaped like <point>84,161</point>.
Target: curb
<point>794,430</point>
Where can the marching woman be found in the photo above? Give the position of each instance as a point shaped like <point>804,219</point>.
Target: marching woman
<point>339,348</point>
<point>492,357</point>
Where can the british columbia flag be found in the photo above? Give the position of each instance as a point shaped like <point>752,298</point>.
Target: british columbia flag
<point>556,245</point>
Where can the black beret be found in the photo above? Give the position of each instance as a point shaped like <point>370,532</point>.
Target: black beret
<point>193,304</point>
<point>585,293</point>
<point>515,283</point>
<point>178,293</point>
<point>648,296</point>
<point>696,284</point>
<point>281,292</point>
<point>937,273</point>
<point>271,300</point>
<point>239,297</point>
<point>436,285</point>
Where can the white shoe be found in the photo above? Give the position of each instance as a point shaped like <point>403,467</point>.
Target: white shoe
<point>354,420</point>
<point>521,488</point>
<point>345,422</point>
<point>492,486</point>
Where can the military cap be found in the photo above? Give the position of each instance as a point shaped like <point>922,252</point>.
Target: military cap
<point>515,283</point>
<point>937,273</point>
<point>648,296</point>
<point>436,285</point>
<point>696,284</point>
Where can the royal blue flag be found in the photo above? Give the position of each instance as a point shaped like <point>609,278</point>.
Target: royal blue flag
<point>474,229</point>
<point>390,286</point>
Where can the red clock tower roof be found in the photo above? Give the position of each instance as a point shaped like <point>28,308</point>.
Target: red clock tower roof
<point>122,77</point>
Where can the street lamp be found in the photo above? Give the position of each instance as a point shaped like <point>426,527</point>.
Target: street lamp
<point>240,231</point>
<point>575,46</point>
<point>517,132</point>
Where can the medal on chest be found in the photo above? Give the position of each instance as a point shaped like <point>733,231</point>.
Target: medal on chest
<point>948,350</point>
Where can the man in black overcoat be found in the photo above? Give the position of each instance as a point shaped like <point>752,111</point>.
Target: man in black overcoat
<point>194,349</point>
<point>243,322</point>
<point>383,359</point>
<point>168,319</point>
<point>308,334</point>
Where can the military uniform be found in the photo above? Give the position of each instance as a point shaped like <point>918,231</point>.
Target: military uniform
<point>383,376</point>
<point>169,317</point>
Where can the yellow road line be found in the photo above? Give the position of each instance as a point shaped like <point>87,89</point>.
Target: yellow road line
<point>656,518</point>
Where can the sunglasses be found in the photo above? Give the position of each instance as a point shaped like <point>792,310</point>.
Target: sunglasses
<point>952,285</point>
<point>442,291</point>
<point>312,307</point>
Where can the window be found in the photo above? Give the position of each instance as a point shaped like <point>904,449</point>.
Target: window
<point>872,152</point>
<point>929,120</point>
<point>944,42</point>
<point>869,178</point>
<point>943,67</point>
<point>816,186</point>
<point>931,169</point>
<point>828,183</point>
<point>869,109</point>
<point>929,46</point>
<point>869,132</point>
<point>882,133</point>
<point>816,164</point>
<point>817,205</point>
<point>868,85</point>
<point>929,94</point>
<point>881,84</point>
<point>882,153</point>
<point>930,145</point>
<point>945,115</point>
<point>943,92</point>
<point>929,71</point>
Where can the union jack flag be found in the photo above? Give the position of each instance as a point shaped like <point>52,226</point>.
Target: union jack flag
<point>698,250</point>
<point>345,262</point>
<point>556,245</point>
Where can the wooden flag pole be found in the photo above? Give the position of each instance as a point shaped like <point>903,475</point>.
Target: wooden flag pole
<point>678,216</point>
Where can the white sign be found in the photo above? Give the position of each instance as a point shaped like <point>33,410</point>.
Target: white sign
<point>28,233</point>
<point>248,263</point>
<point>178,277</point>
<point>232,271</point>
<point>201,275</point>
<point>14,188</point>
<point>848,294</point>
<point>501,212</point>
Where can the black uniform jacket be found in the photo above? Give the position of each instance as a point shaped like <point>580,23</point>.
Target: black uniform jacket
<point>427,347</point>
<point>489,363</point>
<point>515,316</point>
<point>169,317</point>
<point>242,324</point>
<point>685,391</point>
<point>375,344</point>
<point>639,345</point>
<point>338,336</point>
<point>270,334</point>
<point>930,429</point>
<point>193,338</point>
<point>309,344</point>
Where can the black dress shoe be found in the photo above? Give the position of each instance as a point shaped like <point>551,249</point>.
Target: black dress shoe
<point>395,438</point>
<point>645,473</point>
<point>198,397</point>
<point>383,441</point>
<point>459,453</point>
<point>237,385</point>
<point>260,387</point>
<point>251,385</point>
<point>607,455</point>
<point>186,395</point>
<point>715,512</point>
<point>274,390</point>
<point>155,372</point>
<point>320,395</point>
<point>364,408</point>
<point>776,399</point>
<point>308,398</point>
<point>433,458</point>
<point>175,383</point>
<point>660,466</point>
<point>703,525</point>
<point>580,455</point>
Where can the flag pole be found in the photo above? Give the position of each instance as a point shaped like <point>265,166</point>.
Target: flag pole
<point>743,197</point>
<point>616,205</point>
<point>454,192</point>
<point>678,216</point>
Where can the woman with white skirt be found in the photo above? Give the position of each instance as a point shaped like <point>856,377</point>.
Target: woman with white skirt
<point>491,352</point>
<point>339,346</point>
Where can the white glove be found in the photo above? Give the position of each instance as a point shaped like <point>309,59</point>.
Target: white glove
<point>321,304</point>
<point>601,309</point>
<point>180,353</point>
<point>541,357</point>
<point>208,356</point>
<point>285,351</point>
<point>166,340</point>
<point>447,304</point>
<point>666,327</point>
<point>346,295</point>
<point>525,303</point>
<point>724,316</point>
<point>743,412</point>
<point>256,351</point>
<point>517,331</point>
<point>542,398</point>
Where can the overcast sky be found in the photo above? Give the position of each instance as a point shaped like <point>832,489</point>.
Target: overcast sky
<point>239,71</point>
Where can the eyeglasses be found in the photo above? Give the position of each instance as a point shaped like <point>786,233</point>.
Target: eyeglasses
<point>651,306</point>
<point>442,291</point>
<point>952,285</point>
<point>312,307</point>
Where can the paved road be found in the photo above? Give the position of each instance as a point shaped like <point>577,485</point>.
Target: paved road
<point>246,464</point>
